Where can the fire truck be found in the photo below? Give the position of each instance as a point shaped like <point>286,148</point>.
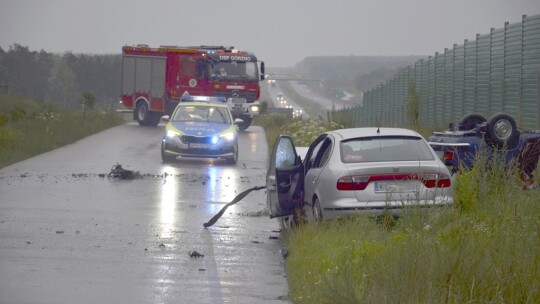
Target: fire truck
<point>155,79</point>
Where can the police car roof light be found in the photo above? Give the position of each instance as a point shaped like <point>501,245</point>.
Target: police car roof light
<point>187,98</point>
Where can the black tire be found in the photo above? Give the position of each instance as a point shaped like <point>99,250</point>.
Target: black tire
<point>469,121</point>
<point>234,159</point>
<point>144,117</point>
<point>141,113</point>
<point>502,130</point>
<point>154,118</point>
<point>244,125</point>
<point>166,158</point>
<point>317,211</point>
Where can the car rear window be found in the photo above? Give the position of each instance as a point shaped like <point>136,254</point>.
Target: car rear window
<point>383,149</point>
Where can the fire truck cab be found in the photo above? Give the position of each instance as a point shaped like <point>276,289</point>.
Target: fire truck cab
<point>155,79</point>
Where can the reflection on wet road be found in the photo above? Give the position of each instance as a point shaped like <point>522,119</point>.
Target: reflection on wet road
<point>69,234</point>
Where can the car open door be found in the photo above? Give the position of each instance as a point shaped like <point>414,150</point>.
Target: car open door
<point>284,179</point>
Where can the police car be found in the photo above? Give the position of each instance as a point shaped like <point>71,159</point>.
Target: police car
<point>201,126</point>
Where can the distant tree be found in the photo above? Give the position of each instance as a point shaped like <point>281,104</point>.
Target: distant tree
<point>88,102</point>
<point>65,86</point>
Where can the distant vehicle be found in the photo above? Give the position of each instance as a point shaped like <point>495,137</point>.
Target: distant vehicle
<point>154,79</point>
<point>272,82</point>
<point>499,134</point>
<point>201,126</point>
<point>371,170</point>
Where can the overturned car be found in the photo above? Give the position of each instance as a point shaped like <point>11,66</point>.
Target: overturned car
<point>459,146</point>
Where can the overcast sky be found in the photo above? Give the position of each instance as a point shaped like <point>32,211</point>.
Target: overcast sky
<point>280,32</point>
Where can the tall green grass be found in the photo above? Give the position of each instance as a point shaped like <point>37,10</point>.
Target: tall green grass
<point>485,249</point>
<point>28,128</point>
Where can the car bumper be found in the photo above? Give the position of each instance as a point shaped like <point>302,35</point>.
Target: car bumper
<point>349,207</point>
<point>177,148</point>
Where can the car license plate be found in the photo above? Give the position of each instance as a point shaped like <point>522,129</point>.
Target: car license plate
<point>394,187</point>
<point>200,146</point>
<point>238,100</point>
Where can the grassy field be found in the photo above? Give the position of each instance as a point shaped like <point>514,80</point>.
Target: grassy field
<point>28,128</point>
<point>484,249</point>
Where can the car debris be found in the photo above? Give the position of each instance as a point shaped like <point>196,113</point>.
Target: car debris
<point>195,254</point>
<point>118,172</point>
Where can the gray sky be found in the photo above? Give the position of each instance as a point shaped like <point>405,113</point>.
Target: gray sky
<point>280,32</point>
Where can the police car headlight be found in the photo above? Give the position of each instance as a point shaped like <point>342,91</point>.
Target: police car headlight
<point>172,134</point>
<point>228,136</point>
<point>254,109</point>
<point>215,139</point>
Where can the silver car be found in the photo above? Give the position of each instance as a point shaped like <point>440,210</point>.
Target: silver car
<point>345,171</point>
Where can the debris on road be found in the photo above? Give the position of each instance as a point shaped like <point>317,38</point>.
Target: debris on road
<point>118,172</point>
<point>195,254</point>
<point>238,198</point>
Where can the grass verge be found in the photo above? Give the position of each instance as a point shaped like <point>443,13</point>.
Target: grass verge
<point>484,249</point>
<point>29,128</point>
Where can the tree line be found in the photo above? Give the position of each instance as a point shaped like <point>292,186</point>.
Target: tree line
<point>64,79</point>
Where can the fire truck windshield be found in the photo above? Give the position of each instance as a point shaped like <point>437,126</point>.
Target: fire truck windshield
<point>234,71</point>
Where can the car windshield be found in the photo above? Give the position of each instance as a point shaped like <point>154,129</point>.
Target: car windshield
<point>384,149</point>
<point>193,113</point>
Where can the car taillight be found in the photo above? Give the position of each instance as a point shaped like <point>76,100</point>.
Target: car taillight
<point>360,182</point>
<point>357,182</point>
<point>448,155</point>
<point>432,180</point>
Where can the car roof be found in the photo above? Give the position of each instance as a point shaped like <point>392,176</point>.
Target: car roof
<point>371,132</point>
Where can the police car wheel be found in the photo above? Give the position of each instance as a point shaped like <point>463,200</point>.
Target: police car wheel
<point>233,159</point>
<point>166,157</point>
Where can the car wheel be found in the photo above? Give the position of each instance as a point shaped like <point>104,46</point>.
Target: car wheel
<point>234,159</point>
<point>469,121</point>
<point>317,211</point>
<point>166,158</point>
<point>141,113</point>
<point>502,130</point>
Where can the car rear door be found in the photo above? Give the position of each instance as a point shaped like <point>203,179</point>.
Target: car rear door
<point>284,179</point>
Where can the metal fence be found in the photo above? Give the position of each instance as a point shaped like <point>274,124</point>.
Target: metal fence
<point>499,72</point>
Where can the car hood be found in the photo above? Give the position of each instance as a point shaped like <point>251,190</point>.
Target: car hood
<point>200,128</point>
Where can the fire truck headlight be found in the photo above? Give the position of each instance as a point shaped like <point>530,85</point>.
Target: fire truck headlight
<point>254,109</point>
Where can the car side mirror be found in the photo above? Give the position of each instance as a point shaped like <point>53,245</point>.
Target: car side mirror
<point>238,121</point>
<point>262,70</point>
<point>165,118</point>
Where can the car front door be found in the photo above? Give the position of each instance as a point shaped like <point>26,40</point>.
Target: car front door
<point>284,179</point>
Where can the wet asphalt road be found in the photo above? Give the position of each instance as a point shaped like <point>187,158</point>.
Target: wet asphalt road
<point>70,234</point>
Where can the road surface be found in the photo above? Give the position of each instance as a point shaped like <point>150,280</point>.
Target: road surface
<point>70,234</point>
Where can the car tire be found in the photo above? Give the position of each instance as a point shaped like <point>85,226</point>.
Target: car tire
<point>166,158</point>
<point>234,159</point>
<point>502,131</point>
<point>469,121</point>
<point>317,211</point>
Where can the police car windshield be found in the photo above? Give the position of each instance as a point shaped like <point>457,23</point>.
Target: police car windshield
<point>232,70</point>
<point>194,113</point>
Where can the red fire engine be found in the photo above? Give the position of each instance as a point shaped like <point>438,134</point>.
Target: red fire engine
<point>154,79</point>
